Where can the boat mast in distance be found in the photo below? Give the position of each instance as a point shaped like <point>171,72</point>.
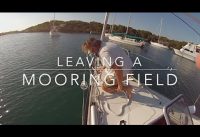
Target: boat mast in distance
<point>128,24</point>
<point>53,29</point>
<point>114,18</point>
<point>161,21</point>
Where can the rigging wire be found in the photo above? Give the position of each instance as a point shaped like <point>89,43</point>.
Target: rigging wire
<point>187,24</point>
<point>196,20</point>
<point>192,17</point>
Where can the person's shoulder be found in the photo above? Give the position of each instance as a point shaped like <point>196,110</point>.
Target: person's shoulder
<point>108,44</point>
<point>105,47</point>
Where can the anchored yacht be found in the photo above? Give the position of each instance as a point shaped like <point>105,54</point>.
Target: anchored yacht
<point>189,51</point>
<point>125,38</point>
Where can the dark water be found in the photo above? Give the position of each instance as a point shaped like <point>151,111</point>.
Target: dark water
<point>63,105</point>
<point>188,76</point>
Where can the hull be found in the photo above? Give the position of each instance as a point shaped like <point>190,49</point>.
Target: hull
<point>184,55</point>
<point>158,45</point>
<point>51,33</point>
<point>124,41</point>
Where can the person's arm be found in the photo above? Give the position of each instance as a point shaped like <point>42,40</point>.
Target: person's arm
<point>119,76</point>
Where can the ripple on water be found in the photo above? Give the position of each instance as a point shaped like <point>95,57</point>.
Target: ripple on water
<point>7,111</point>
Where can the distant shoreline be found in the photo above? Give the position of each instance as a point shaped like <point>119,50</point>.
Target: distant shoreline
<point>75,26</point>
<point>9,32</point>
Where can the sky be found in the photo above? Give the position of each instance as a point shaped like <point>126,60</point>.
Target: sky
<point>172,27</point>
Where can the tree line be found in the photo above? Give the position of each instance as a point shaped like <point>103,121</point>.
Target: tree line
<point>75,26</point>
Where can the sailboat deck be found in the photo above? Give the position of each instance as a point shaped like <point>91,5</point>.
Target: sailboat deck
<point>144,108</point>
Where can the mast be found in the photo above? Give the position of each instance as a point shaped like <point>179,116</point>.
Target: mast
<point>104,26</point>
<point>53,18</point>
<point>161,20</point>
<point>128,24</point>
<point>113,23</point>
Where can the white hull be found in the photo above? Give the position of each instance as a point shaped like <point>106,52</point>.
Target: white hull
<point>54,33</point>
<point>185,55</point>
<point>124,41</point>
<point>107,34</point>
<point>189,51</point>
<point>158,45</point>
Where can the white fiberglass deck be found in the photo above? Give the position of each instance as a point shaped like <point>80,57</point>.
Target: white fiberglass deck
<point>143,109</point>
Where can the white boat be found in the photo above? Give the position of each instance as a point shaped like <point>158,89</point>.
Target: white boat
<point>189,51</point>
<point>158,45</point>
<point>54,30</point>
<point>147,107</point>
<point>125,38</point>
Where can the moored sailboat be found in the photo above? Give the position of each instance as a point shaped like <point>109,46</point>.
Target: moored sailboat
<point>54,29</point>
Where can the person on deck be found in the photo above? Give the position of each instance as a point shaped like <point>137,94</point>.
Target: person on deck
<point>110,52</point>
